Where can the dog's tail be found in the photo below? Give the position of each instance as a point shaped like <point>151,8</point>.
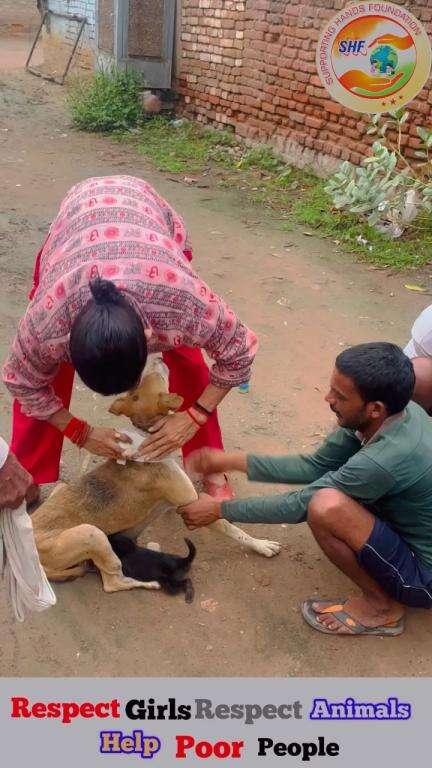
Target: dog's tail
<point>186,562</point>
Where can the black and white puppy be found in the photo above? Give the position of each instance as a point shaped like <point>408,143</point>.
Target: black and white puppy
<point>144,564</point>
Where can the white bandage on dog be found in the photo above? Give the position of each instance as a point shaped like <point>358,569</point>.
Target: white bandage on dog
<point>130,449</point>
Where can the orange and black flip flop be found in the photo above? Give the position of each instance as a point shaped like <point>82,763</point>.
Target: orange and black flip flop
<point>353,626</point>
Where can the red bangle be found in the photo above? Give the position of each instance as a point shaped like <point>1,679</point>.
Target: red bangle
<point>77,431</point>
<point>198,423</point>
<point>84,436</point>
<point>72,427</point>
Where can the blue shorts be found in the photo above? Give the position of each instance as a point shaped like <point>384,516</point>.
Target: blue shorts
<point>390,562</point>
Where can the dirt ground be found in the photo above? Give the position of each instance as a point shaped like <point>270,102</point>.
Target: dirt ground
<point>306,303</point>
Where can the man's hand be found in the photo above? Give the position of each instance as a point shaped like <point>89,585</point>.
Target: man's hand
<point>212,461</point>
<point>14,483</point>
<point>168,434</point>
<point>103,441</point>
<point>202,512</point>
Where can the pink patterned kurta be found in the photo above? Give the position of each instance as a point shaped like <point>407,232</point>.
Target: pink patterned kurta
<point>120,229</point>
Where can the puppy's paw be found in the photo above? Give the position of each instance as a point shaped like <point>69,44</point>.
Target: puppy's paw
<point>266,547</point>
<point>154,546</point>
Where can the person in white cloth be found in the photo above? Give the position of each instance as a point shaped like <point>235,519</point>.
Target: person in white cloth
<point>419,350</point>
<point>26,583</point>
<point>14,479</point>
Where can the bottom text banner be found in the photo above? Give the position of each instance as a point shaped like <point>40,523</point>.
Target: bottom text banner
<point>195,721</point>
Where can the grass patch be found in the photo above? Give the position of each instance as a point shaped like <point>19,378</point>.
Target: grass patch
<point>314,210</point>
<point>296,197</point>
<point>183,148</point>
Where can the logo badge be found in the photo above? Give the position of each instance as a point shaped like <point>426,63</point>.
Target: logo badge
<point>374,57</point>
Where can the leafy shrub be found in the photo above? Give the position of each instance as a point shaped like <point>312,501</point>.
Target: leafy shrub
<point>388,189</point>
<point>374,189</point>
<point>108,102</point>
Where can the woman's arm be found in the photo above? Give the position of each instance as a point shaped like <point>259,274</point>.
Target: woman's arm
<point>231,346</point>
<point>102,441</point>
<point>28,372</point>
<point>212,396</point>
<point>173,431</point>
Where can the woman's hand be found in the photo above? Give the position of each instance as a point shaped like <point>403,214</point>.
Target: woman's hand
<point>170,433</point>
<point>103,441</point>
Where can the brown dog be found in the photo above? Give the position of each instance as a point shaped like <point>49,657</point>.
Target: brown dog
<point>72,525</point>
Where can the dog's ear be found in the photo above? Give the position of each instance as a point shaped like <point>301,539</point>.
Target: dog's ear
<point>119,406</point>
<point>168,402</point>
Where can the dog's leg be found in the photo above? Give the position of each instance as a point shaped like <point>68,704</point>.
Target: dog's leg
<point>175,587</point>
<point>68,574</point>
<point>86,542</point>
<point>262,546</point>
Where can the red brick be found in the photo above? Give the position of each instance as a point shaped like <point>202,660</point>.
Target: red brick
<point>255,69</point>
<point>314,122</point>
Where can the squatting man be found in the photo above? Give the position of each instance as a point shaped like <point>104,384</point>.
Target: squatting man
<point>367,497</point>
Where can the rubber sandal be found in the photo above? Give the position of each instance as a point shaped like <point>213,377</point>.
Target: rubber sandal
<point>353,625</point>
<point>222,492</point>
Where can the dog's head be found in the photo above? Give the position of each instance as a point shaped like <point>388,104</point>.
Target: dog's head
<point>148,402</point>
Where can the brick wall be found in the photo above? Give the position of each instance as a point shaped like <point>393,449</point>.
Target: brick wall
<point>250,64</point>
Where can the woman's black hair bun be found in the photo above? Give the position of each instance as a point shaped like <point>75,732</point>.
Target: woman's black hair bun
<point>105,292</point>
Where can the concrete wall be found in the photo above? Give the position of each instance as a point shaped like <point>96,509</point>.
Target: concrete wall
<point>61,35</point>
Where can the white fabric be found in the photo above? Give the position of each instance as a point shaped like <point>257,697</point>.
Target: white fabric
<point>25,579</point>
<point>4,451</point>
<point>138,438</point>
<point>129,449</point>
<point>420,344</point>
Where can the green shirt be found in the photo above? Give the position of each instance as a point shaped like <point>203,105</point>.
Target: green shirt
<point>391,475</point>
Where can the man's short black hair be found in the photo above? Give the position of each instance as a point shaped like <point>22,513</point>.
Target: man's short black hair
<point>380,371</point>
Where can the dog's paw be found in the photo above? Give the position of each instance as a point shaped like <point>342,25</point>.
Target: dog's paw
<point>151,585</point>
<point>266,547</point>
<point>118,584</point>
<point>154,546</point>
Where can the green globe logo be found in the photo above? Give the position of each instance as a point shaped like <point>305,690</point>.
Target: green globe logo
<point>384,60</point>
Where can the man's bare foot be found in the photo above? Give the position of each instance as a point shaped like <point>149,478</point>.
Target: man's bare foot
<point>362,610</point>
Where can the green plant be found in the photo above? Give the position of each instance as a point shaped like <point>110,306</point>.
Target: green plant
<point>108,102</point>
<point>313,208</point>
<point>388,187</point>
<point>262,158</point>
<point>286,194</point>
<point>375,189</point>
